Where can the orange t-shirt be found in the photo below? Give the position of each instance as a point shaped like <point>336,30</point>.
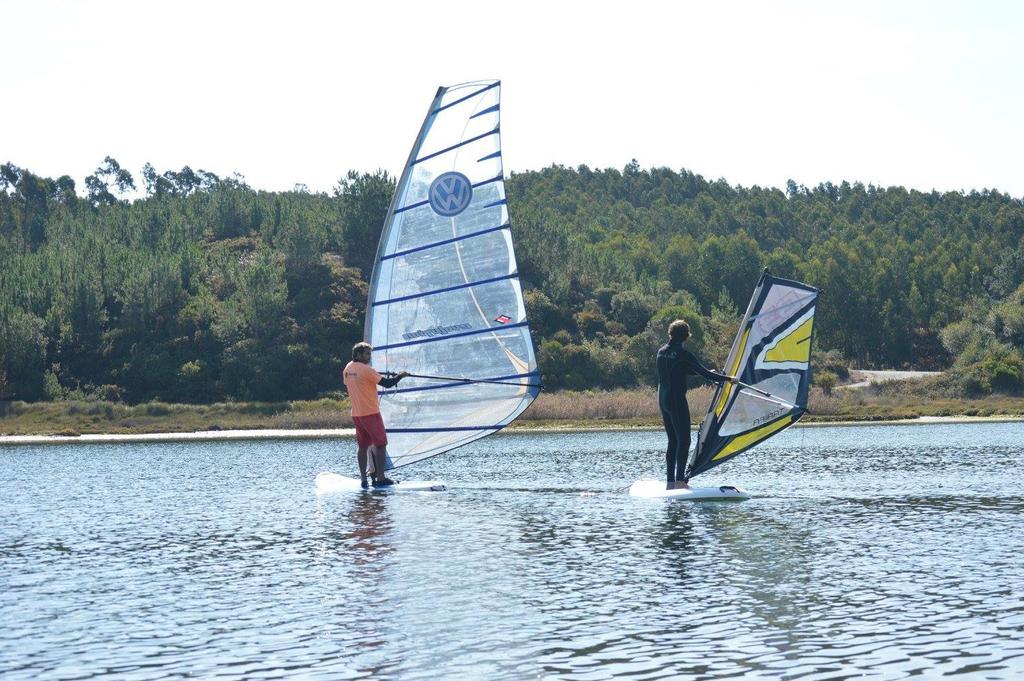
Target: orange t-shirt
<point>361,381</point>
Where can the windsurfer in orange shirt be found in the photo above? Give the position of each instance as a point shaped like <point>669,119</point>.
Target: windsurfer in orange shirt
<point>362,380</point>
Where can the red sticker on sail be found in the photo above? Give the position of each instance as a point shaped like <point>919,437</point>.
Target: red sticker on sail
<point>503,319</point>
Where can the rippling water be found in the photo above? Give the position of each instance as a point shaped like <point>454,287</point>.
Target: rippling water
<point>877,551</point>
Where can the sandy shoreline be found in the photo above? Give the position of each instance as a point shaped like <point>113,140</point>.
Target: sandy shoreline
<point>327,434</point>
<point>197,436</point>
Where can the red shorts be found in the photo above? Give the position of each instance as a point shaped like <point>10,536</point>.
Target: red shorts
<point>370,430</point>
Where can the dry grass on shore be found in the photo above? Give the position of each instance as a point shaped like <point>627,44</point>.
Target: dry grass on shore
<point>608,405</point>
<point>78,417</point>
<point>642,404</point>
<point>639,407</point>
<point>636,407</point>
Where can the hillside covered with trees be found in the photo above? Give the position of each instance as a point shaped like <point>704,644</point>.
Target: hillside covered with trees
<point>207,290</point>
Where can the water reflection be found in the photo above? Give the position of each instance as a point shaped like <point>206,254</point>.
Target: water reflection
<point>357,529</point>
<point>354,548</point>
<point>220,562</point>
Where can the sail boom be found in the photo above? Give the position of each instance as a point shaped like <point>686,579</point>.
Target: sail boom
<point>767,395</point>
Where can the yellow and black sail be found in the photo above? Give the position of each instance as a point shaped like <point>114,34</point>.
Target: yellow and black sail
<point>771,357</point>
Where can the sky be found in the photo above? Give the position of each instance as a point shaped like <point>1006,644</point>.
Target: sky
<point>926,95</point>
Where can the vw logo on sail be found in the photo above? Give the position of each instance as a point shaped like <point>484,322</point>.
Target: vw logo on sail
<point>450,194</point>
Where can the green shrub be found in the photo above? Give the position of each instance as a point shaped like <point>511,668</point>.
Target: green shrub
<point>155,409</point>
<point>108,393</point>
<point>833,362</point>
<point>826,380</point>
<point>1006,373</point>
<point>52,387</point>
<point>566,366</point>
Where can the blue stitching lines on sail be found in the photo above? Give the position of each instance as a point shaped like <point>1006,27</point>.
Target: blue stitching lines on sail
<point>475,185</point>
<point>446,241</point>
<point>488,110</point>
<point>469,96</point>
<point>455,384</point>
<point>445,290</point>
<point>463,143</point>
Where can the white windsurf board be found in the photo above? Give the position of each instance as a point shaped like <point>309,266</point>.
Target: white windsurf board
<point>332,482</point>
<point>655,489</point>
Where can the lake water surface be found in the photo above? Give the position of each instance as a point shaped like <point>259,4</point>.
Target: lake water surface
<point>882,552</point>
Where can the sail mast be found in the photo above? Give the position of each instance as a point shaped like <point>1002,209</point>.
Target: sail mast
<point>389,218</point>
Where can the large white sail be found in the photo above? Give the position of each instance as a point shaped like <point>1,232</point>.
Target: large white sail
<point>445,299</point>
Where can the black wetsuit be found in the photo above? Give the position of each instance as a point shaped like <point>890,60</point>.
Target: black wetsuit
<point>674,362</point>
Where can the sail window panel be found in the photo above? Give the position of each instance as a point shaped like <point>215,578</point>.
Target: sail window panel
<point>451,265</point>
<point>422,226</point>
<point>762,433</point>
<point>423,229</point>
<point>464,94</point>
<point>413,203</point>
<point>467,99</point>
<point>455,409</point>
<point>452,125</point>
<point>499,352</point>
<point>479,161</point>
<point>488,164</point>
<point>448,403</point>
<point>442,389</point>
<point>442,424</point>
<point>406,448</point>
<point>442,242</point>
<point>495,305</point>
<point>476,157</point>
<point>785,385</point>
<point>461,312</point>
<point>750,410</point>
<point>781,303</point>
<point>462,152</point>
<point>417,446</point>
<point>376,316</point>
<point>417,186</point>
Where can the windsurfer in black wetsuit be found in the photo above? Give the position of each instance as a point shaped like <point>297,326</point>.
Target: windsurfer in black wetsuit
<point>674,362</point>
